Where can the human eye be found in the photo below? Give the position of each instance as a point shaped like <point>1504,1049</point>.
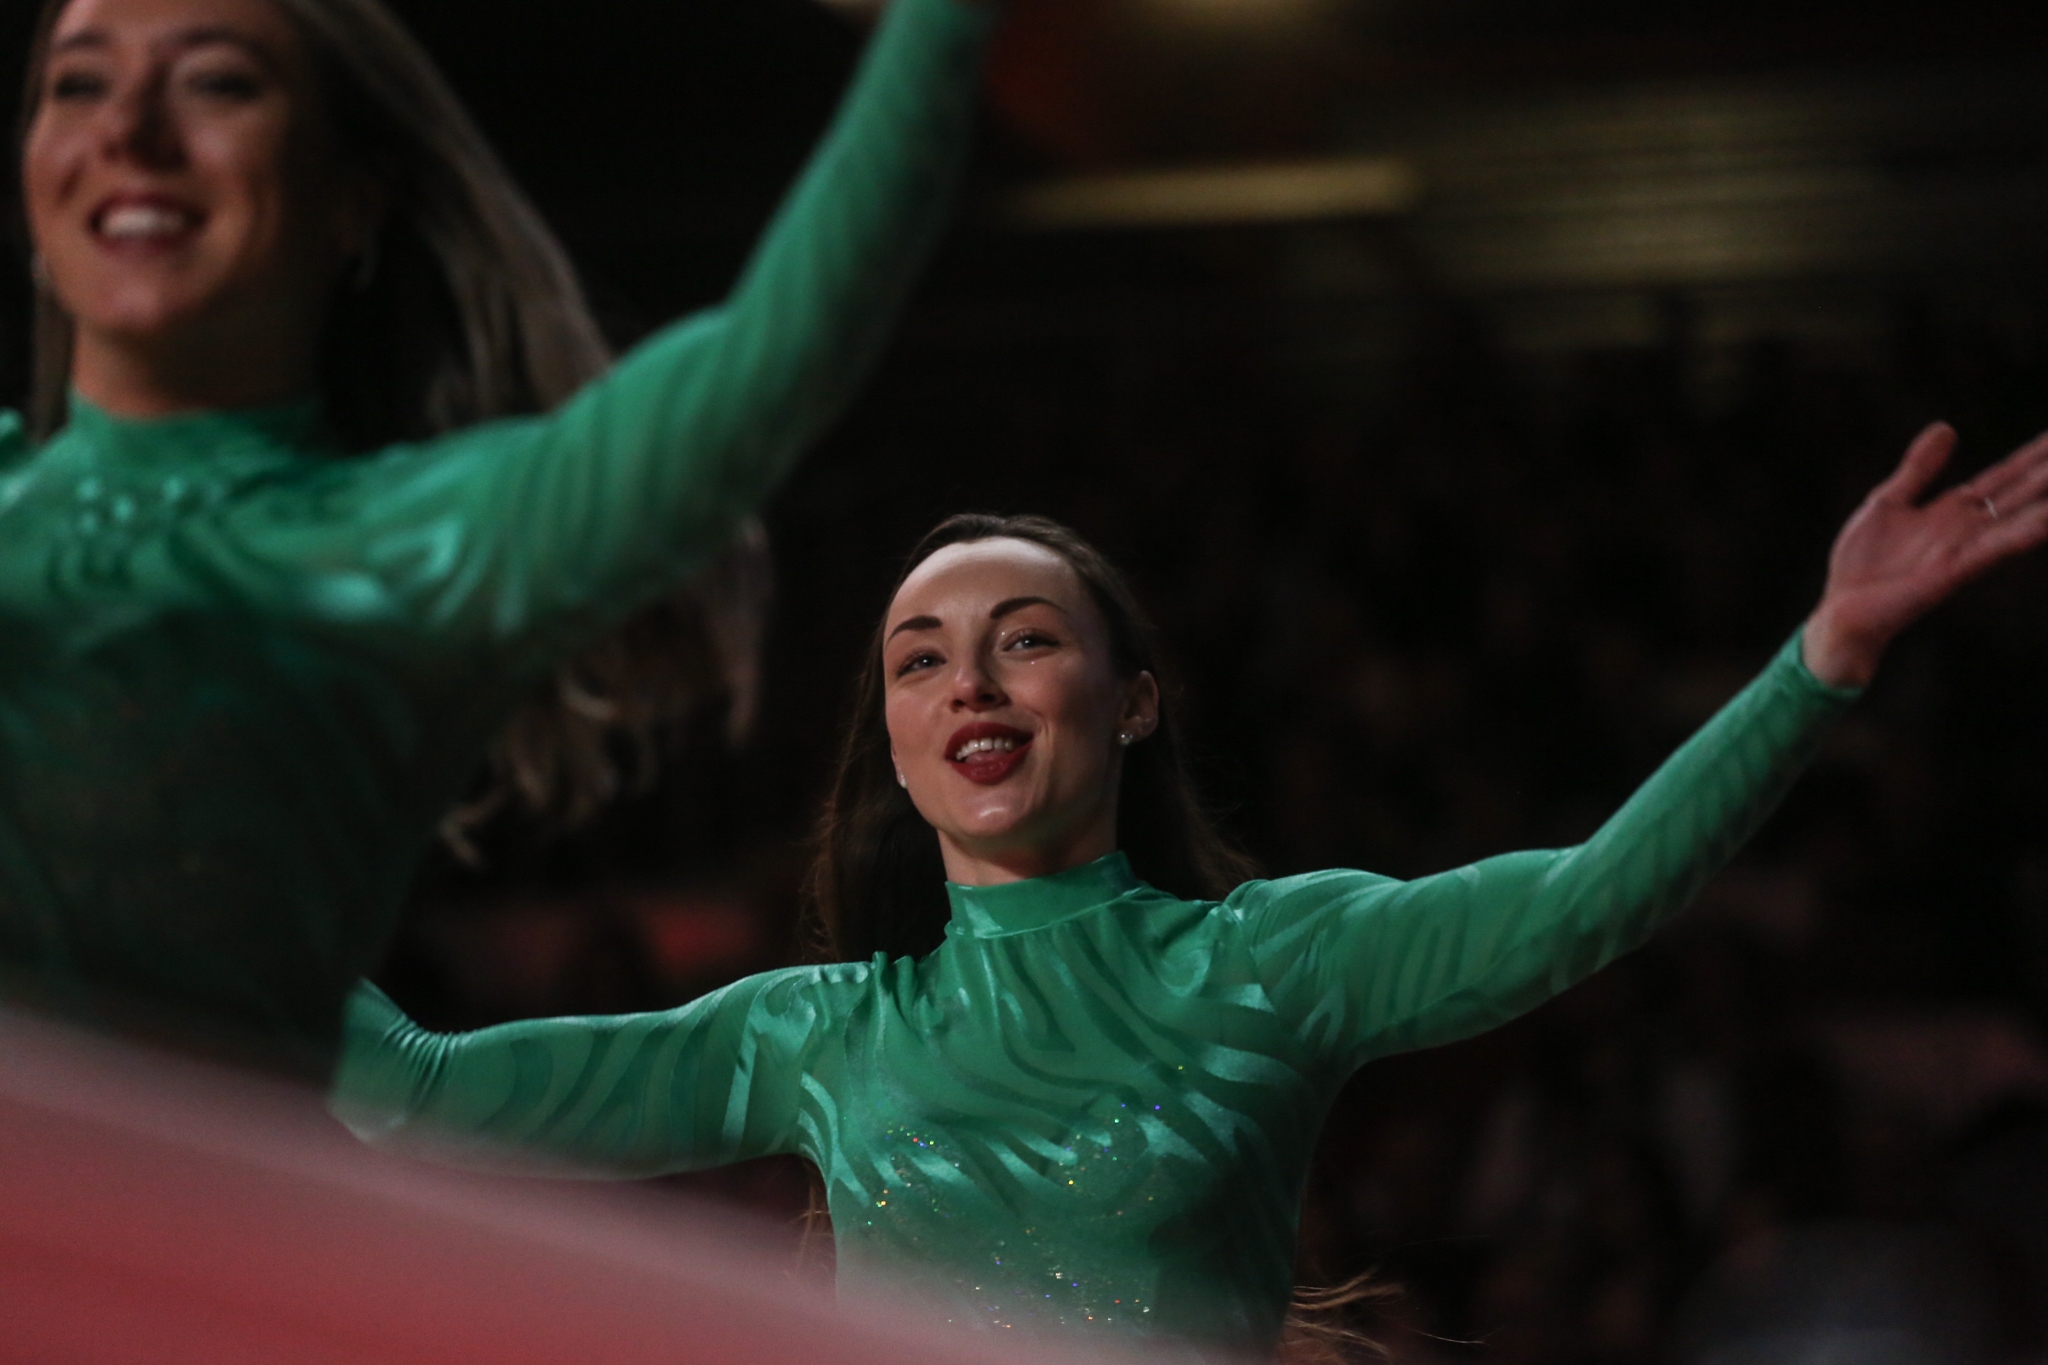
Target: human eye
<point>230,81</point>
<point>76,84</point>
<point>1031,637</point>
<point>916,661</point>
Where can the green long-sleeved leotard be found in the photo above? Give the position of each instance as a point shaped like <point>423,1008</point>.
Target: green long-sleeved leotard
<point>1094,1103</point>
<point>242,678</point>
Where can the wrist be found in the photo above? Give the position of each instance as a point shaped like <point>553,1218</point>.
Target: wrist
<point>1835,653</point>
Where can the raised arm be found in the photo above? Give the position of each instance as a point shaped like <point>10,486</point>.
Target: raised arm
<point>546,529</point>
<point>716,1081</point>
<point>1369,966</point>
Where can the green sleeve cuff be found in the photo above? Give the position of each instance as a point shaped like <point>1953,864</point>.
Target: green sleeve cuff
<point>977,16</point>
<point>1792,661</point>
<point>932,23</point>
<point>372,1013</point>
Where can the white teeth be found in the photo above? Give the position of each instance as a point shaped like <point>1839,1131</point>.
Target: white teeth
<point>132,222</point>
<point>992,744</point>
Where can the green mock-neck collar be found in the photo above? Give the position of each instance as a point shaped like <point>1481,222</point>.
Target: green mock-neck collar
<point>1018,907</point>
<point>288,424</point>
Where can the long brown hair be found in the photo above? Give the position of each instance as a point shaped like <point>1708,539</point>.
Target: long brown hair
<point>467,309</point>
<point>877,883</point>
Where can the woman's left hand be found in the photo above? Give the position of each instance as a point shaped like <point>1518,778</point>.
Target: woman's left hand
<point>1899,557</point>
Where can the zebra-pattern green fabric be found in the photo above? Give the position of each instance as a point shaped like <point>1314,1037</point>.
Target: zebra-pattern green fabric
<point>243,677</point>
<point>1094,1105</point>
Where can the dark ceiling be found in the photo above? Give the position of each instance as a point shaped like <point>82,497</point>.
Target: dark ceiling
<point>1574,145</point>
<point>623,100</point>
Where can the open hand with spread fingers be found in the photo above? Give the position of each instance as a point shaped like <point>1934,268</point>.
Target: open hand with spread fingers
<point>1903,553</point>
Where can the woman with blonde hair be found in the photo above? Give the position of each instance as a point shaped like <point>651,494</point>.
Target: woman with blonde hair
<point>327,474</point>
<point>1070,1071</point>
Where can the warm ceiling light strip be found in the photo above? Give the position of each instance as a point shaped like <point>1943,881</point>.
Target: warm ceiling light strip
<point>1209,196</point>
<point>1232,13</point>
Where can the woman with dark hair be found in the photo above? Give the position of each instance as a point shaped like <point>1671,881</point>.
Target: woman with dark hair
<point>1082,1089</point>
<point>327,481</point>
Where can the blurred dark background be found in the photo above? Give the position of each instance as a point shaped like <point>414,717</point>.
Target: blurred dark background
<point>1458,507</point>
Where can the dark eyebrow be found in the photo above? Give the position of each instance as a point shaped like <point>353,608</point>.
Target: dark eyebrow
<point>1015,604</point>
<point>91,37</point>
<point>220,33</point>
<point>1002,609</point>
<point>192,37</point>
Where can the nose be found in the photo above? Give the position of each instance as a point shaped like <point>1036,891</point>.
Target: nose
<point>138,127</point>
<point>975,688</point>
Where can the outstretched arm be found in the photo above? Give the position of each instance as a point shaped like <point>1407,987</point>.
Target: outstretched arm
<point>1368,966</point>
<point>716,1081</point>
<point>538,532</point>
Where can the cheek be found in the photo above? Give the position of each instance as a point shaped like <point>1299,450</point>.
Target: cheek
<point>908,727</point>
<point>261,184</point>
<point>55,188</point>
<point>50,163</point>
<point>1072,697</point>
<point>244,163</point>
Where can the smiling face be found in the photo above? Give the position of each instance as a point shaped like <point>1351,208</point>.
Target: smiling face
<point>183,195</point>
<point>1006,711</point>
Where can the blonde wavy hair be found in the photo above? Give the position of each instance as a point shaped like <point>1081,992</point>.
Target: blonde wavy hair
<point>468,309</point>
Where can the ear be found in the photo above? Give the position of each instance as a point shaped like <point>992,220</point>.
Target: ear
<point>1140,714</point>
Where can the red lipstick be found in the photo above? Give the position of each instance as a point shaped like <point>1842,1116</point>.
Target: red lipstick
<point>986,753</point>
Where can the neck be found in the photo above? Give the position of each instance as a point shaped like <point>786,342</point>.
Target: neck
<point>973,866</point>
<point>162,377</point>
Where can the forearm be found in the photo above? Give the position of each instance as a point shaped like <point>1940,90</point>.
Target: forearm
<point>845,248</point>
<point>692,430</point>
<point>1509,933</point>
<point>528,536</point>
<point>1706,800</point>
<point>599,1096</point>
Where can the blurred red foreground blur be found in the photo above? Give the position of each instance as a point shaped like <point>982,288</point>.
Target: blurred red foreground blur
<point>157,1208</point>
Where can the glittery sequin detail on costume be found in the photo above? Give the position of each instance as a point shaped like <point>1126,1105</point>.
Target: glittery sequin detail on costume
<point>243,677</point>
<point>1094,1106</point>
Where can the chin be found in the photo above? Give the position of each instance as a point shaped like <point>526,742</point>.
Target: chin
<point>139,294</point>
<point>993,835</point>
<point>141,311</point>
<point>991,832</point>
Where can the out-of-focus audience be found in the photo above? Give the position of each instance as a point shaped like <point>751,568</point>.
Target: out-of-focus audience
<point>1457,605</point>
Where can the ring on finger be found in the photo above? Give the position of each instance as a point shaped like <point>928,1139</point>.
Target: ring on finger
<point>1991,508</point>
